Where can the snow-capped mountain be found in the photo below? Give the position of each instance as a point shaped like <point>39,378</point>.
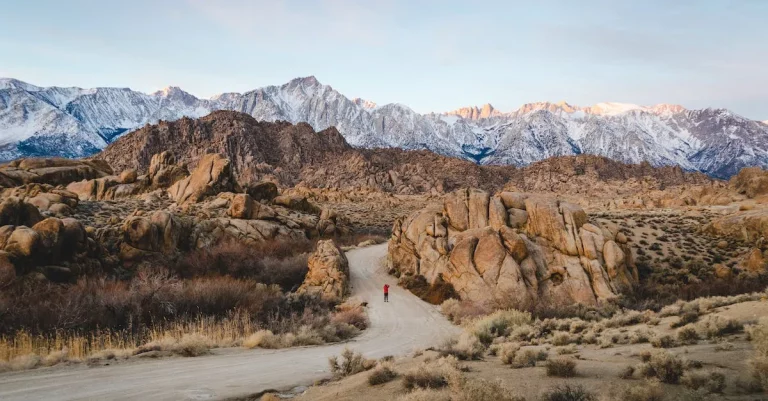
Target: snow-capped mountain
<point>73,122</point>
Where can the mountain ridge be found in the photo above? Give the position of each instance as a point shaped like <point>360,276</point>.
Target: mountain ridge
<point>76,122</point>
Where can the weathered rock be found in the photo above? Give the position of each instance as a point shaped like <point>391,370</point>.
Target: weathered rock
<point>16,212</point>
<point>296,202</point>
<point>212,175</point>
<point>128,176</point>
<point>240,207</point>
<point>328,274</point>
<point>24,242</point>
<point>555,258</point>
<point>755,261</point>
<point>51,232</point>
<point>53,171</point>
<point>7,270</point>
<point>266,191</point>
<point>163,170</point>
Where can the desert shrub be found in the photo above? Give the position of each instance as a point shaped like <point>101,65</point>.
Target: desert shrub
<point>525,359</point>
<point>627,372</point>
<point>687,335</point>
<point>663,366</point>
<point>640,336</point>
<point>263,339</point>
<point>713,382</point>
<point>466,347</point>
<point>568,392</point>
<point>686,318</point>
<point>457,311</point>
<point>498,324</point>
<point>561,339</point>
<point>571,349</point>
<point>649,391</point>
<point>482,390</point>
<point>663,341</point>
<point>758,335</point>
<point>270,262</point>
<point>353,315</point>
<point>717,326</point>
<point>561,367</point>
<point>349,363</point>
<point>507,352</point>
<point>433,375</point>
<point>383,373</point>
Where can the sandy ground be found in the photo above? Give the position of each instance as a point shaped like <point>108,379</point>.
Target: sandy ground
<point>404,324</point>
<point>597,368</point>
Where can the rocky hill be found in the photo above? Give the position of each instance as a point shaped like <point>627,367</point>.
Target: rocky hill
<point>292,155</point>
<point>73,122</point>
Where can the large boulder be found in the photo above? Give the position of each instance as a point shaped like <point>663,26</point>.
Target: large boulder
<point>328,274</point>
<point>14,211</point>
<point>212,176</point>
<point>522,249</point>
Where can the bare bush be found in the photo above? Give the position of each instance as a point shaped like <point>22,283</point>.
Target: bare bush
<point>568,392</point>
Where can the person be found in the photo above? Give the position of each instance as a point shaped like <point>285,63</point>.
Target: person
<point>386,292</point>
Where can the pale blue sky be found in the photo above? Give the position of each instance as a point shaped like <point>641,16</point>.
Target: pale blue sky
<point>431,55</point>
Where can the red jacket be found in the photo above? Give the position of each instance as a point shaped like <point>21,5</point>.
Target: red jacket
<point>386,288</point>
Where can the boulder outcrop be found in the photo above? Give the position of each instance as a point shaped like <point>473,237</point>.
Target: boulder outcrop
<point>517,248</point>
<point>328,274</point>
<point>53,171</point>
<point>212,175</point>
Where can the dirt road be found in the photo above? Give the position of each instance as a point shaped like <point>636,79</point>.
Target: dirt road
<point>398,327</point>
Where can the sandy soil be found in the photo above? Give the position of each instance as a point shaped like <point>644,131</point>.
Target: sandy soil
<point>404,324</point>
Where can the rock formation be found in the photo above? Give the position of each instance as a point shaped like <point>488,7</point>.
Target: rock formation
<point>517,248</point>
<point>212,175</point>
<point>328,273</point>
<point>53,171</point>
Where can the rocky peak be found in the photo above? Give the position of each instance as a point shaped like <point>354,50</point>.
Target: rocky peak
<point>475,113</point>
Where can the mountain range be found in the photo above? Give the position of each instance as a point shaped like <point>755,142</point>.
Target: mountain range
<point>75,122</point>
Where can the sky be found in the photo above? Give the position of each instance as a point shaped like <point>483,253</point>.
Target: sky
<point>430,55</point>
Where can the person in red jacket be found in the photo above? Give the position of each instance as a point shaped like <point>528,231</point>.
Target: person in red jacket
<point>386,292</point>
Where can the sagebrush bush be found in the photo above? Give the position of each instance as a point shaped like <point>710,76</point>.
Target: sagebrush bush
<point>482,390</point>
<point>663,366</point>
<point>349,363</point>
<point>649,391</point>
<point>433,375</point>
<point>713,382</point>
<point>383,373</point>
<point>758,335</point>
<point>568,392</point>
<point>663,341</point>
<point>507,352</point>
<point>498,324</point>
<point>561,367</point>
<point>687,335</point>
<point>718,326</point>
<point>466,347</point>
<point>627,372</point>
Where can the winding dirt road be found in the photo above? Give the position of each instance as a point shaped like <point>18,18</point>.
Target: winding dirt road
<point>404,324</point>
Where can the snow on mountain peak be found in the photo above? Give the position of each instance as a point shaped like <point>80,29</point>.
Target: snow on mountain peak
<point>11,83</point>
<point>612,108</point>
